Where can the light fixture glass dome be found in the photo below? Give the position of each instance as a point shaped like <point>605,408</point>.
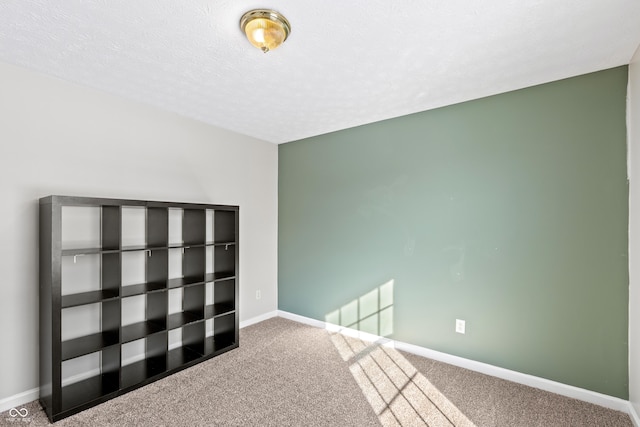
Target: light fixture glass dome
<point>266,29</point>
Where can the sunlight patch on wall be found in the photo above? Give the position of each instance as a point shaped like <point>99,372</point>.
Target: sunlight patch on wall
<point>372,313</point>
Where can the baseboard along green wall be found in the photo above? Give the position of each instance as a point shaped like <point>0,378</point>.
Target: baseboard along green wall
<point>508,212</point>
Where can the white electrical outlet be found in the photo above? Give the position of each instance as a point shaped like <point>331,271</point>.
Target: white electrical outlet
<point>258,295</point>
<point>460,326</point>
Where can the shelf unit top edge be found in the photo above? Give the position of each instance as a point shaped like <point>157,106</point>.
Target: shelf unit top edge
<point>97,201</point>
<point>133,248</point>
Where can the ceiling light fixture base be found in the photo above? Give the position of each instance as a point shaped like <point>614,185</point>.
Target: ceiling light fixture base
<point>266,29</point>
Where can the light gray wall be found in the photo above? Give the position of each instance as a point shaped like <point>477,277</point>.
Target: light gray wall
<point>634,231</point>
<point>58,138</point>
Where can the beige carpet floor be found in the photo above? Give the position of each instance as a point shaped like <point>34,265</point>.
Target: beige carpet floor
<point>290,374</point>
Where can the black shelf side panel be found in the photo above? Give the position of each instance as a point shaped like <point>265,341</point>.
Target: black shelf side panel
<point>50,232</point>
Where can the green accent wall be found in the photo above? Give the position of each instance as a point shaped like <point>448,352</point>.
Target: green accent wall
<point>509,212</point>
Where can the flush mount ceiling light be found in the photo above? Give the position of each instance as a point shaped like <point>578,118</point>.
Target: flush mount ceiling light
<point>266,29</point>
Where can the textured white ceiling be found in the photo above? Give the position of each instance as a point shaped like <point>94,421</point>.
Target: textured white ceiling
<point>344,64</point>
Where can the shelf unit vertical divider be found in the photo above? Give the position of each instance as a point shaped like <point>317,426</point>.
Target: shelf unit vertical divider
<point>194,268</point>
<point>157,271</point>
<point>111,281</point>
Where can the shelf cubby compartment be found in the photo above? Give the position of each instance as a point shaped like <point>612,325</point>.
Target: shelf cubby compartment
<point>111,228</point>
<point>133,227</point>
<point>90,228</point>
<point>215,310</point>
<point>214,277</point>
<point>144,359</point>
<point>208,226</point>
<point>143,315</point>
<point>80,227</point>
<point>177,320</point>
<point>89,278</point>
<point>97,388</point>
<point>142,288</point>
<point>186,266</point>
<point>133,268</point>
<point>223,299</point>
<point>224,226</point>
<point>224,261</point>
<point>218,344</point>
<point>89,328</point>
<point>90,297</point>
<point>188,344</point>
<point>175,265</point>
<point>157,270</point>
<point>88,344</point>
<point>180,282</point>
<point>175,227</point>
<point>143,271</point>
<point>135,331</point>
<point>194,227</point>
<point>157,227</point>
<point>144,228</point>
<point>90,377</point>
<point>224,334</point>
<point>193,263</point>
<point>186,306</point>
<point>224,328</point>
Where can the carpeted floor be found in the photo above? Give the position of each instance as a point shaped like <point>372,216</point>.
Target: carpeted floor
<point>290,374</point>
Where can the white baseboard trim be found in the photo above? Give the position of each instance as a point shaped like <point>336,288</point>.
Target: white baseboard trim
<point>633,414</point>
<point>302,319</point>
<point>519,377</point>
<point>552,386</point>
<point>258,319</point>
<point>19,399</point>
<point>484,368</point>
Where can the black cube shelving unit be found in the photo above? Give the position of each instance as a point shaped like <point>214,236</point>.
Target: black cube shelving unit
<point>107,326</point>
